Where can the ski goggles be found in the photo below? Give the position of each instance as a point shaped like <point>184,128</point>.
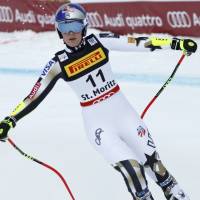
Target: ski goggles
<point>74,26</point>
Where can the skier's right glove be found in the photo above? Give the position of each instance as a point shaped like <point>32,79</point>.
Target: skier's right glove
<point>5,125</point>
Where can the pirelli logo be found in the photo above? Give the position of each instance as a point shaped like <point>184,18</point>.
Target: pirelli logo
<point>85,62</point>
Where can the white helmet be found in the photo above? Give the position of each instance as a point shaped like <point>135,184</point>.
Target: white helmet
<point>71,17</point>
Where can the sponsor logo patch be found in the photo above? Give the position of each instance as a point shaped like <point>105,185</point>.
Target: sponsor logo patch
<point>85,62</point>
<point>141,131</point>
<point>92,41</point>
<point>34,90</point>
<point>98,136</point>
<point>47,68</point>
<point>150,141</point>
<point>19,108</point>
<point>63,57</point>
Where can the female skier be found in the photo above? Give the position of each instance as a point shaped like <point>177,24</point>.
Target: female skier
<point>113,127</point>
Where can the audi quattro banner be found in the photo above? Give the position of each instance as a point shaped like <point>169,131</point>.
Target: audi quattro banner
<point>36,15</point>
<point>175,18</point>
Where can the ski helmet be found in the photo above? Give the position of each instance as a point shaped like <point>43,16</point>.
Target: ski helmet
<point>71,17</point>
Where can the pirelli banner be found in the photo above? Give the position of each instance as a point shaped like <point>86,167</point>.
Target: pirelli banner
<point>175,18</point>
<point>37,15</point>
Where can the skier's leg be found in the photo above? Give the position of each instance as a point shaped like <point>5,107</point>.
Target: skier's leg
<point>107,141</point>
<point>134,176</point>
<point>165,180</point>
<point>136,135</point>
<point>149,158</point>
<point>156,170</point>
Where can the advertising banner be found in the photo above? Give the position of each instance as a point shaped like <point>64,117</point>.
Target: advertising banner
<point>175,18</point>
<point>29,14</point>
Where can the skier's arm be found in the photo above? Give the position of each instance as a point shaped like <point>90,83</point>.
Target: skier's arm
<point>128,43</point>
<point>42,87</point>
<point>40,90</point>
<point>115,42</point>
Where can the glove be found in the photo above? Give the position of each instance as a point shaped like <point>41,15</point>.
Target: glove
<point>188,46</point>
<point>5,125</point>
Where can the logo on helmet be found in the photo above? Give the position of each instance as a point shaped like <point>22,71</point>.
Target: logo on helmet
<point>67,14</point>
<point>67,10</point>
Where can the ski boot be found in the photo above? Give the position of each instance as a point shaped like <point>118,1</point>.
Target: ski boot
<point>175,193</point>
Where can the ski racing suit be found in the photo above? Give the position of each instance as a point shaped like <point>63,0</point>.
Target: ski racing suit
<point>112,125</point>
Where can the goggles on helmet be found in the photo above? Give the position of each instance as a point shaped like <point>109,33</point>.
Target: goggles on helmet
<point>73,26</point>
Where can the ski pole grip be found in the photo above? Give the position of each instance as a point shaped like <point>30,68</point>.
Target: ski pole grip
<point>189,45</point>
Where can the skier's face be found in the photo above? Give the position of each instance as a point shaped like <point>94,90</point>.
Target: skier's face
<point>72,39</point>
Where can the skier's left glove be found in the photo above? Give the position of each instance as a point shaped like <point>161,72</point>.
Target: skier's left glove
<point>5,126</point>
<point>188,46</point>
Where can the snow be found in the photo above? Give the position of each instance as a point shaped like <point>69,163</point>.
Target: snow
<point>54,132</point>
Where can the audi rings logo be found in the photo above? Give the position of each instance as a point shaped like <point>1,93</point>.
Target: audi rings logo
<point>104,97</point>
<point>6,14</point>
<point>179,19</point>
<point>95,20</point>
